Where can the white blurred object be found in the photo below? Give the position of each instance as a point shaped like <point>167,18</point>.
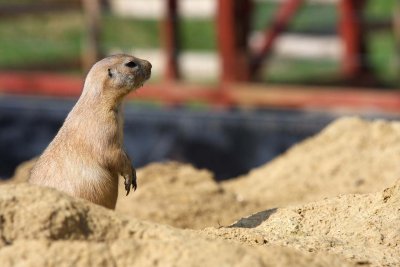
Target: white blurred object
<point>149,9</point>
<point>199,66</point>
<point>155,9</point>
<point>197,8</point>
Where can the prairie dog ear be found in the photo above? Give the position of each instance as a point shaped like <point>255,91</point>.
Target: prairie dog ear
<point>109,73</point>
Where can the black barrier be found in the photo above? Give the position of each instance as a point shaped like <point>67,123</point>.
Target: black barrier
<point>229,143</point>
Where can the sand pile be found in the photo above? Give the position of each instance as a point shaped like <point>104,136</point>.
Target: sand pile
<point>43,227</point>
<point>182,196</point>
<point>364,227</point>
<point>40,226</point>
<point>351,155</point>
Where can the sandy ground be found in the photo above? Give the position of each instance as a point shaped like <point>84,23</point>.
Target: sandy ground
<point>349,156</point>
<point>42,227</point>
<point>362,227</point>
<point>331,200</point>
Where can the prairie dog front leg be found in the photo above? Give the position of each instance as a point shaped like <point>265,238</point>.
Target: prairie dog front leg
<point>129,173</point>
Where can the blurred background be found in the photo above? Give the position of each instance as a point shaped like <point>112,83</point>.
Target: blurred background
<point>234,83</point>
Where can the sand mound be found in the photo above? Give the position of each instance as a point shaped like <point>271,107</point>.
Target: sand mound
<point>43,227</point>
<point>182,196</point>
<point>40,226</point>
<point>349,156</point>
<point>364,227</point>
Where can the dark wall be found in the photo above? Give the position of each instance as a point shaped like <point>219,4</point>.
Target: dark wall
<point>229,143</point>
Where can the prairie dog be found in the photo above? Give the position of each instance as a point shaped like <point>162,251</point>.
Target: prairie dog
<point>86,157</point>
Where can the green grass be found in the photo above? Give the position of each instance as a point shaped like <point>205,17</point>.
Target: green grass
<point>36,39</point>
<point>380,9</point>
<point>383,60</point>
<point>198,35</point>
<point>128,33</point>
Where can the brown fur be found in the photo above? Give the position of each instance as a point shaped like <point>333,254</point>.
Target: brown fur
<point>86,157</point>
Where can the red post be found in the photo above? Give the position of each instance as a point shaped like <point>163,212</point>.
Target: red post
<point>171,42</point>
<point>350,29</point>
<point>286,12</point>
<point>232,30</point>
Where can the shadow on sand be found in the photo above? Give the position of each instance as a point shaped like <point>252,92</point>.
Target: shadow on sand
<point>254,220</point>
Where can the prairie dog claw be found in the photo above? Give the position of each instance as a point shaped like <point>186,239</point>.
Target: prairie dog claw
<point>134,183</point>
<point>130,181</point>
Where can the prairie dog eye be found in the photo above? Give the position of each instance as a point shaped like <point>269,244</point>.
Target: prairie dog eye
<point>131,64</point>
<point>109,73</point>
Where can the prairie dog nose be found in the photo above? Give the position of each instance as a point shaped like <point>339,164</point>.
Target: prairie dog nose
<point>147,64</point>
<point>146,68</point>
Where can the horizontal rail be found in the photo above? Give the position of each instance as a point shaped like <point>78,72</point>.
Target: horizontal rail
<point>249,95</point>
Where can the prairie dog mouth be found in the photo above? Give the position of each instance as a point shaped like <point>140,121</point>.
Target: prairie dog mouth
<point>145,74</point>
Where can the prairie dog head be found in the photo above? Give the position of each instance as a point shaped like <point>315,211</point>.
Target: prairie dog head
<point>115,76</point>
